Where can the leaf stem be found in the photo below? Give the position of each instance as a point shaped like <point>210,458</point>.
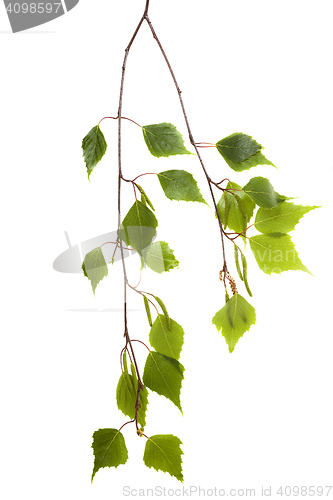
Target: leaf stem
<point>134,340</point>
<point>116,118</point>
<point>147,173</point>
<point>205,145</point>
<point>129,422</point>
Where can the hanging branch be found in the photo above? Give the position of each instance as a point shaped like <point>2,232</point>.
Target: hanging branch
<point>272,247</point>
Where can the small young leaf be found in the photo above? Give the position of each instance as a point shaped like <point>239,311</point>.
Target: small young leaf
<point>241,152</point>
<point>163,452</point>
<point>180,185</point>
<point>145,197</point>
<point>126,395</point>
<point>163,139</point>
<point>147,310</point>
<point>237,263</point>
<point>232,212</point>
<point>275,253</point>
<point>244,264</point>
<point>164,375</point>
<point>94,147</point>
<point>94,267</point>
<point>164,309</point>
<point>159,257</point>
<point>167,342</point>
<point>225,209</point>
<point>280,219</point>
<point>109,449</point>
<point>138,227</point>
<point>235,318</point>
<point>262,192</point>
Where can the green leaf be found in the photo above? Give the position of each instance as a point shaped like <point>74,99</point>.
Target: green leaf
<point>167,342</point>
<point>180,185</point>
<point>242,209</point>
<point>234,212</point>
<point>235,318</point>
<point>94,147</point>
<point>246,283</point>
<point>241,152</point>
<point>280,219</point>
<point>238,147</point>
<point>138,227</point>
<point>163,452</point>
<point>94,267</point>
<point>126,395</point>
<point>262,192</point>
<point>237,262</point>
<point>275,253</point>
<point>109,449</point>
<point>225,207</point>
<point>159,257</point>
<point>145,198</point>
<point>164,309</point>
<point>253,161</point>
<point>146,302</point>
<point>164,375</point>
<point>163,139</point>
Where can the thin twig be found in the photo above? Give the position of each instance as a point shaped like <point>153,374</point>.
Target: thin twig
<point>190,134</point>
<point>126,334</point>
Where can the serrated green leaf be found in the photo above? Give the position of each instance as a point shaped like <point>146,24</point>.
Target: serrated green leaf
<point>280,219</point>
<point>138,227</point>
<point>94,147</point>
<point>146,302</point>
<point>163,139</point>
<point>159,257</point>
<point>180,185</point>
<point>262,192</point>
<point>235,213</point>
<point>126,394</point>
<point>238,147</point>
<point>253,161</point>
<point>109,449</point>
<point>94,267</point>
<point>275,253</point>
<point>145,197</point>
<point>241,152</point>
<point>164,309</point>
<point>167,342</point>
<point>163,452</point>
<point>235,318</point>
<point>164,375</point>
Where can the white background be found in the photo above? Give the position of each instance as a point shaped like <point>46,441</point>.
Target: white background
<point>261,416</point>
